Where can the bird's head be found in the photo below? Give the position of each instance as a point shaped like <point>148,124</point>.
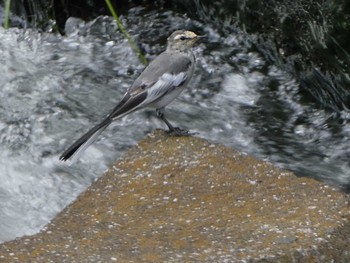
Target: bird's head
<point>182,40</point>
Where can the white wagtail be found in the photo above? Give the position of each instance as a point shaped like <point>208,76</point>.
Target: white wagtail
<point>158,85</point>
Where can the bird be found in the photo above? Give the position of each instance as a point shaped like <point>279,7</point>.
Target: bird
<point>158,85</point>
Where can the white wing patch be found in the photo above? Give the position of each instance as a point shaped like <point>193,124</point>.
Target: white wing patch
<point>175,79</point>
<point>166,84</point>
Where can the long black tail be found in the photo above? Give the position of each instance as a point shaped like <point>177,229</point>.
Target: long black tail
<point>77,148</point>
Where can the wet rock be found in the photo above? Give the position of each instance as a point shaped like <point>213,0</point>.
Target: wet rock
<point>182,199</point>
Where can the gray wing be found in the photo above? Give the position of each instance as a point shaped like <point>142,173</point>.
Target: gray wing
<point>165,65</point>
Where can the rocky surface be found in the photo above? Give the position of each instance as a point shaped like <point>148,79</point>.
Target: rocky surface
<point>184,199</point>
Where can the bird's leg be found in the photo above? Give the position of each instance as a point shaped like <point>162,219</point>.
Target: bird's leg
<point>172,130</point>
<point>160,114</point>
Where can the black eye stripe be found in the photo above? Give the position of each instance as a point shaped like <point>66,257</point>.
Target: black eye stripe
<point>182,38</point>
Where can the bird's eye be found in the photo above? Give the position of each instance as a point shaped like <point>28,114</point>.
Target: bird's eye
<point>182,38</point>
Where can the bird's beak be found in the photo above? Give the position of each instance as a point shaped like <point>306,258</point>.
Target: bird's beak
<point>197,38</point>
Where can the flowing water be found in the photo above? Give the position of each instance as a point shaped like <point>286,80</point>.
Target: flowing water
<point>54,88</point>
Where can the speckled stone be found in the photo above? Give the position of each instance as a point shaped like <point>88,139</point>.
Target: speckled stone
<point>184,199</point>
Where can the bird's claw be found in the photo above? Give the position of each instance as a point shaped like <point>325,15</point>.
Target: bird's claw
<point>180,132</point>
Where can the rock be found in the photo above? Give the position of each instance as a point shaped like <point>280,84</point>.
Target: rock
<point>182,199</point>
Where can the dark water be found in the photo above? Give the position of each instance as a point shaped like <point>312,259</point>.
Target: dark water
<point>54,88</point>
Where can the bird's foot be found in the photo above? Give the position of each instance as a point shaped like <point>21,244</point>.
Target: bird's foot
<point>175,131</point>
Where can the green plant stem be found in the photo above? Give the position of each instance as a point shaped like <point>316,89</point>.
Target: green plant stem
<point>7,14</point>
<point>126,34</point>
